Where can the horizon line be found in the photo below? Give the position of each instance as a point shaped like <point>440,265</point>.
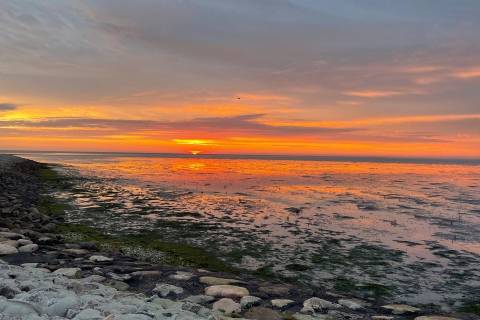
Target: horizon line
<point>245,156</point>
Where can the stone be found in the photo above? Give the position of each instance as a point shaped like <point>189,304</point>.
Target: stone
<point>182,276</point>
<point>100,259</point>
<point>200,299</point>
<point>12,243</point>
<point>68,272</point>
<point>434,317</point>
<point>23,242</point>
<point>28,248</point>
<point>78,252</point>
<point>227,306</point>
<point>316,304</point>
<point>226,291</point>
<point>18,309</point>
<point>146,274</point>
<point>382,317</point>
<point>299,316</point>
<point>249,301</point>
<point>164,289</point>
<point>400,308</point>
<point>281,303</point>
<point>11,235</point>
<point>261,313</point>
<point>275,290</point>
<point>212,281</point>
<point>30,265</point>
<point>60,306</point>
<point>353,304</point>
<point>89,314</point>
<point>6,249</point>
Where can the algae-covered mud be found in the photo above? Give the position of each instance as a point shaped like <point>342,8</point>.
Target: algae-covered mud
<point>407,231</point>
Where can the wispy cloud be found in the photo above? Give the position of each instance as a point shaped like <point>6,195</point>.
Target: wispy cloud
<point>8,106</point>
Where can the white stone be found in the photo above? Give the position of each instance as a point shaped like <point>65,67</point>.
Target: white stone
<point>68,272</point>
<point>225,290</point>
<point>211,281</point>
<point>100,259</point>
<point>6,249</point>
<point>316,304</point>
<point>227,306</point>
<point>164,289</point>
<point>11,235</point>
<point>353,304</point>
<point>28,248</point>
<point>88,314</point>
<point>281,303</point>
<point>249,301</point>
<point>30,265</point>
<point>17,308</point>
<point>400,308</point>
<point>434,317</point>
<point>23,242</point>
<point>182,276</point>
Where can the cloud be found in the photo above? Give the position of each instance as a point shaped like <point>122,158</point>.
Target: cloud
<point>8,106</point>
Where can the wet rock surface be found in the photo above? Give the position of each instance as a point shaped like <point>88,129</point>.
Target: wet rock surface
<point>44,275</point>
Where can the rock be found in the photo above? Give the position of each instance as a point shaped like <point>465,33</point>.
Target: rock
<point>226,291</point>
<point>383,317</point>
<point>11,235</point>
<point>28,248</point>
<point>119,285</point>
<point>119,277</point>
<point>78,252</point>
<point>434,317</point>
<point>30,265</point>
<point>281,303</point>
<point>68,272</point>
<point>5,249</point>
<point>212,281</point>
<point>8,288</point>
<point>182,276</point>
<point>249,301</point>
<point>275,290</point>
<point>316,304</point>
<point>17,309</point>
<point>353,304</point>
<point>94,278</point>
<point>400,308</point>
<point>227,306</point>
<point>12,243</point>
<point>261,313</point>
<point>200,299</point>
<point>23,242</point>
<point>46,240</point>
<point>164,289</point>
<point>60,306</point>
<point>146,274</point>
<point>100,259</point>
<point>89,314</point>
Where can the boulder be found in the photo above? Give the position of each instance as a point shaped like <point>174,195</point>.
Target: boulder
<point>68,272</point>
<point>227,306</point>
<point>249,301</point>
<point>226,291</point>
<point>98,258</point>
<point>212,281</point>
<point>28,248</point>
<point>165,289</point>
<point>263,314</point>
<point>400,308</point>
<point>200,299</point>
<point>182,276</point>
<point>6,249</point>
<point>281,303</point>
<point>316,304</point>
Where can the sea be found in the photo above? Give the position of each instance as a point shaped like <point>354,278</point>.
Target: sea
<point>405,228</point>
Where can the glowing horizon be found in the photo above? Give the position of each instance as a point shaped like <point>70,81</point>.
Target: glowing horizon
<point>284,77</point>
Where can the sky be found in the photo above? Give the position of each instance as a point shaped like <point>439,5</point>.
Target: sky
<point>303,77</point>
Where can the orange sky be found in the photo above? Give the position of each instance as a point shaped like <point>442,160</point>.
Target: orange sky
<point>286,77</point>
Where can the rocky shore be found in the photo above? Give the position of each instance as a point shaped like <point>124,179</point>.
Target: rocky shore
<point>47,274</point>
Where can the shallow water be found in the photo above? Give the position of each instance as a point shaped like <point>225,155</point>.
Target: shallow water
<point>412,229</point>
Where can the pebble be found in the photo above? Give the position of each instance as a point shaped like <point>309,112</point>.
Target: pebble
<point>182,276</point>
<point>400,308</point>
<point>6,249</point>
<point>211,281</point>
<point>281,303</point>
<point>23,242</point>
<point>227,291</point>
<point>68,272</point>
<point>165,289</point>
<point>249,301</point>
<point>316,304</point>
<point>227,306</point>
<point>100,259</point>
<point>28,248</point>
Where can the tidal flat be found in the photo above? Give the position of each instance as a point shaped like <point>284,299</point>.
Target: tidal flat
<point>398,231</point>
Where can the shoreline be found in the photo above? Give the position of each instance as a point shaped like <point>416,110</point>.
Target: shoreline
<point>57,249</point>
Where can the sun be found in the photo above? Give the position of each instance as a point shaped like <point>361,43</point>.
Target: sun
<point>195,152</point>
